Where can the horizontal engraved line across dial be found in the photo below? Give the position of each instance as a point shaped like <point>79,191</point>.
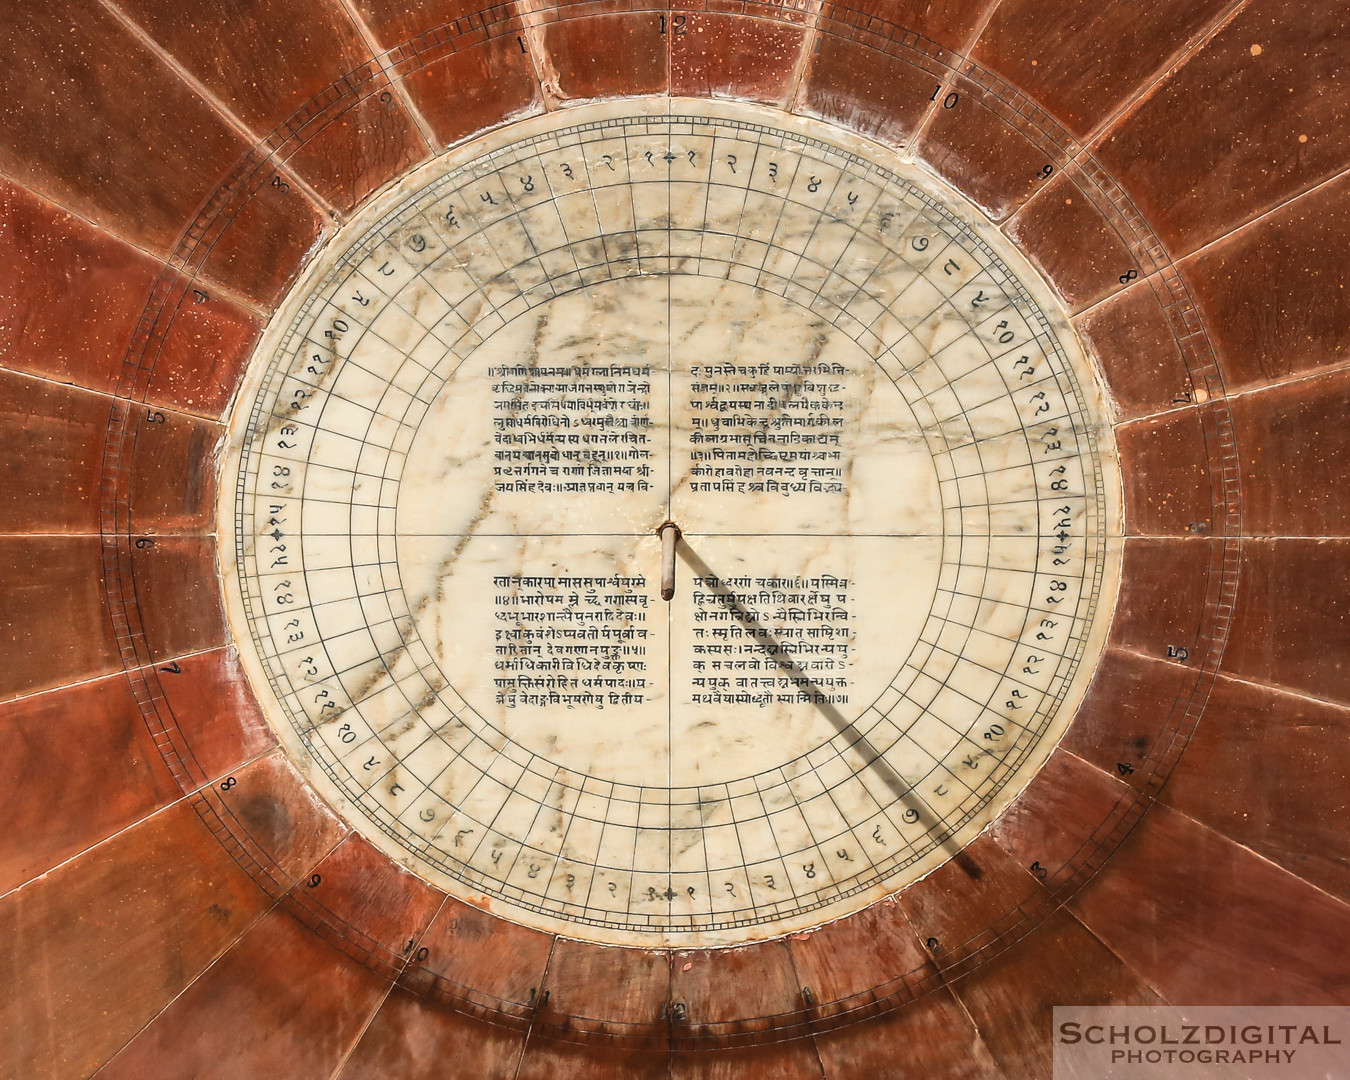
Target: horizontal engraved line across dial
<point>461,440</point>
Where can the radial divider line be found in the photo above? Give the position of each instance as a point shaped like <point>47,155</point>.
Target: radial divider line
<point>645,534</point>
<point>871,755</point>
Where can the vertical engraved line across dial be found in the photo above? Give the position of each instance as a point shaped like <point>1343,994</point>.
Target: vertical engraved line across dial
<point>881,443</point>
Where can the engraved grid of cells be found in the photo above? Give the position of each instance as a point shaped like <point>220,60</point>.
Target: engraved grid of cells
<point>684,212</point>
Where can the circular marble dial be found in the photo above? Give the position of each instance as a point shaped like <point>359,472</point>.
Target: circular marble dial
<point>884,451</point>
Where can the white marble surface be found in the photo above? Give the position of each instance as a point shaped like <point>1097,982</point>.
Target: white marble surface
<point>883,446</point>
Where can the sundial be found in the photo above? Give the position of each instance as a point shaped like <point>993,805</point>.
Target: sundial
<point>670,523</point>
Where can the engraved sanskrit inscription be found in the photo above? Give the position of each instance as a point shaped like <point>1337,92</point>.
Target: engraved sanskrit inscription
<point>569,640</point>
<point>767,428</point>
<point>571,429</point>
<point>760,640</point>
